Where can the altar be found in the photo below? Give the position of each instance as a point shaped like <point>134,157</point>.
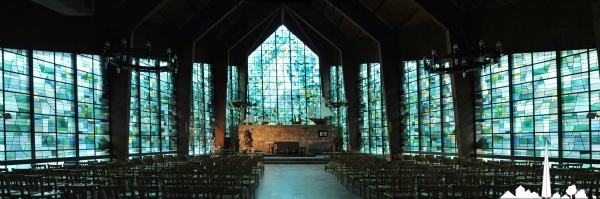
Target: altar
<point>288,138</point>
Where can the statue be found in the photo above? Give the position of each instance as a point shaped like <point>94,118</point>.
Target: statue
<point>248,138</point>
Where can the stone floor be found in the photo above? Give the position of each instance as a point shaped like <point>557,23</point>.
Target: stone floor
<point>300,181</point>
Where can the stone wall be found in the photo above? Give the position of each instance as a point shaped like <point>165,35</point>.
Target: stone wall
<point>261,134</point>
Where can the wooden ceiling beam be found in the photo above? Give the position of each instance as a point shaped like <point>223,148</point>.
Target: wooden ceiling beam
<point>364,19</point>
<point>207,18</point>
<point>319,24</point>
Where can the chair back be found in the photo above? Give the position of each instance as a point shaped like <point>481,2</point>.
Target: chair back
<point>80,192</point>
<point>176,192</point>
<point>112,192</point>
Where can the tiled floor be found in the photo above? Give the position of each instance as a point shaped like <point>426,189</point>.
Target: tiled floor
<point>300,181</point>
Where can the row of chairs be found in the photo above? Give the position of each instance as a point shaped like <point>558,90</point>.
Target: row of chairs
<point>449,178</point>
<point>219,177</point>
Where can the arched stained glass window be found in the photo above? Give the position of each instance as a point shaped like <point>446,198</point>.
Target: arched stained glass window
<point>283,78</point>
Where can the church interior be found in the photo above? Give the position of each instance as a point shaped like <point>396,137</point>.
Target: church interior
<point>229,98</point>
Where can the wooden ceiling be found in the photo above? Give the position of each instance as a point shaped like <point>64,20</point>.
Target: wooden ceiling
<point>184,21</point>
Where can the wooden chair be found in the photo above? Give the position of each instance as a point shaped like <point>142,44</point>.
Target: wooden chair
<point>500,186</point>
<point>402,187</point>
<point>466,191</point>
<point>113,192</point>
<point>175,181</point>
<point>12,186</point>
<point>54,166</point>
<point>368,179</point>
<point>249,179</point>
<point>453,182</point>
<point>147,192</point>
<point>207,182</point>
<point>147,180</point>
<point>80,192</point>
<point>433,191</point>
<point>584,181</point>
<point>77,177</point>
<point>35,187</point>
<point>428,186</point>
<point>383,183</point>
<point>126,182</point>
<point>38,166</point>
<point>100,174</point>
<point>22,171</point>
<point>176,192</point>
<point>230,181</point>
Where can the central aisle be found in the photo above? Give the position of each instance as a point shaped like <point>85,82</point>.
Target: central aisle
<point>300,181</point>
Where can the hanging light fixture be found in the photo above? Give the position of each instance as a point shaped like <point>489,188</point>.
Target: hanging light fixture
<point>463,62</point>
<point>129,58</point>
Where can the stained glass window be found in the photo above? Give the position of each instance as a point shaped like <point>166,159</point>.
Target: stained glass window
<point>168,127</point>
<point>428,110</point>
<point>152,124</point>
<point>492,110</point>
<point>283,78</point>
<point>579,94</point>
<point>410,108</point>
<point>535,113</point>
<point>54,105</point>
<point>373,126</point>
<point>92,107</point>
<point>338,97</point>
<point>550,96</point>
<point>63,84</point>
<point>233,113</point>
<point>202,131</point>
<point>15,135</point>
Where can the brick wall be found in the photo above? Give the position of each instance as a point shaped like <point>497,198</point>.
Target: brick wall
<point>261,134</point>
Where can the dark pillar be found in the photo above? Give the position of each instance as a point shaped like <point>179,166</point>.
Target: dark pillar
<point>119,88</point>
<point>183,93</point>
<point>350,68</point>
<point>464,110</point>
<point>219,73</point>
<point>390,69</point>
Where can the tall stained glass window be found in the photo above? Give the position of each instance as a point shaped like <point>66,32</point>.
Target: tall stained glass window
<point>580,95</point>
<point>92,107</point>
<point>232,117</point>
<point>202,131</point>
<point>551,94</point>
<point>54,105</point>
<point>410,108</point>
<point>168,127</point>
<point>338,97</point>
<point>373,126</point>
<point>492,110</point>
<point>15,135</point>
<point>283,78</point>
<point>535,105</point>
<point>428,110</point>
<point>152,124</point>
<point>69,112</point>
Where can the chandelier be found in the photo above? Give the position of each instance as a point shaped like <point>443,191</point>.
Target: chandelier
<point>463,62</point>
<point>129,58</point>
